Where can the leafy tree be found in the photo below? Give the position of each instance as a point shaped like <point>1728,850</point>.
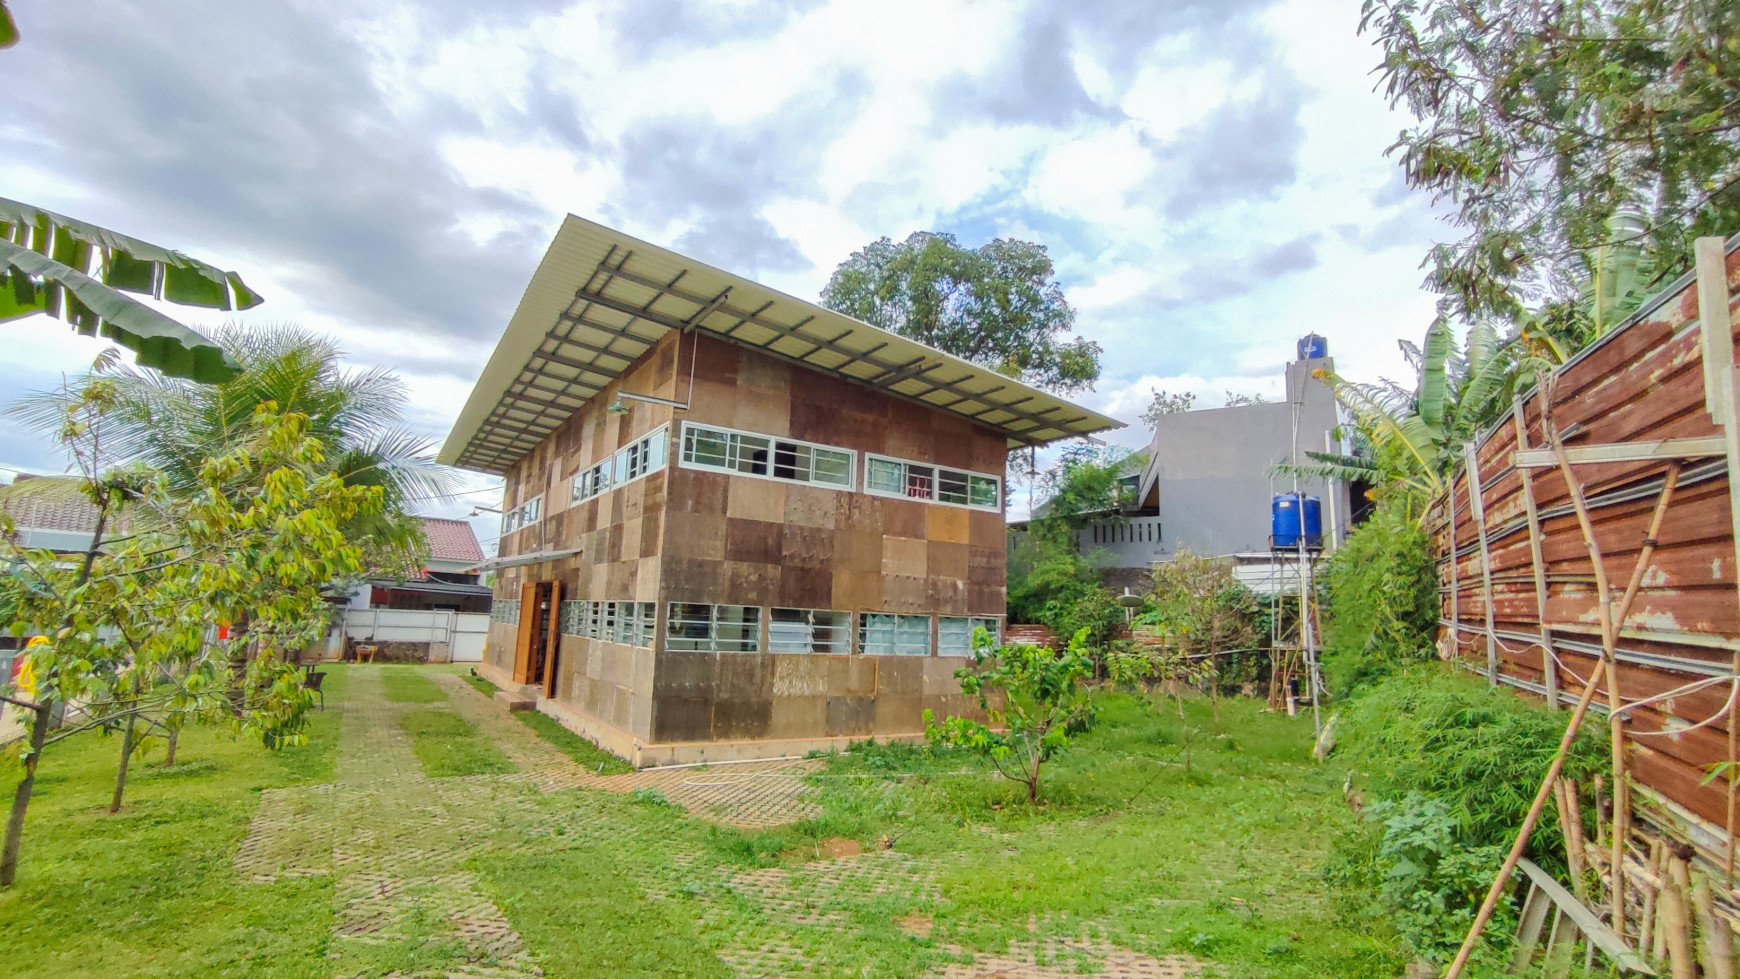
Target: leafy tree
<point>1239,400</point>
<point>1202,610</point>
<point>1049,579</point>
<point>174,426</point>
<point>1545,122</point>
<point>1032,699</point>
<point>997,305</point>
<point>126,631</point>
<point>1166,403</point>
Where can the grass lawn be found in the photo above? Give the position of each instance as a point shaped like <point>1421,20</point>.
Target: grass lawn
<point>1223,863</point>
<point>482,686</point>
<point>408,685</point>
<point>152,891</point>
<point>447,745</point>
<point>596,759</point>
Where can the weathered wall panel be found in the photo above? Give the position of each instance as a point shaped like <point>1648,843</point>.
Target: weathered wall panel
<point>1644,382</point>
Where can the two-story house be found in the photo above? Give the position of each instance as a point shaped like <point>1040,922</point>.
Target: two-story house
<point>736,524</point>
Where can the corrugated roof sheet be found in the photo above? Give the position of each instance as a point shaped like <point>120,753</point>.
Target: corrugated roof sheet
<point>600,299</point>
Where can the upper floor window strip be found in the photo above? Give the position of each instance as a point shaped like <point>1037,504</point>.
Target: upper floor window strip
<point>888,476</point>
<point>726,450</point>
<point>642,457</point>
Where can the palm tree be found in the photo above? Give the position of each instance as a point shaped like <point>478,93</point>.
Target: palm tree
<point>174,425</point>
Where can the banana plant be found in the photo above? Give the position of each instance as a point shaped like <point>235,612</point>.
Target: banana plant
<point>89,276</point>
<point>1413,436</point>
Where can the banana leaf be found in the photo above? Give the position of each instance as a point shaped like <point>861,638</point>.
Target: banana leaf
<point>8,29</point>
<point>128,263</point>
<point>34,283</point>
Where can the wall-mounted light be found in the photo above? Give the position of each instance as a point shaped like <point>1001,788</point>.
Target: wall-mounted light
<point>618,408</point>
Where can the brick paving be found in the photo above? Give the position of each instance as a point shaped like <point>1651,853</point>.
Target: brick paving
<point>397,845</point>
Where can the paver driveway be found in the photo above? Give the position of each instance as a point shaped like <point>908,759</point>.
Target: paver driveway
<point>405,850</point>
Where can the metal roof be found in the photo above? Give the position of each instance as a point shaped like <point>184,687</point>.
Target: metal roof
<point>600,299</point>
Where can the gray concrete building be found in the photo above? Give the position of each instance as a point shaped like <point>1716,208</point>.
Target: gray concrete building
<point>1210,478</point>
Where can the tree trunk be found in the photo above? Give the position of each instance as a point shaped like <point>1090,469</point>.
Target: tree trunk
<point>121,772</point>
<point>21,798</point>
<point>169,750</point>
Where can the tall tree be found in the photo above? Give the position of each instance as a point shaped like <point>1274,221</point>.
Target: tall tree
<point>997,305</point>
<point>174,426</point>
<point>1546,122</point>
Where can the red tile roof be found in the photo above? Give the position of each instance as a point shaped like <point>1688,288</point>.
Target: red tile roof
<point>48,503</point>
<point>451,540</point>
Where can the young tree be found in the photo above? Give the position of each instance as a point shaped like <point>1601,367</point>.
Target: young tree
<point>997,305</point>
<point>1203,611</point>
<point>127,631</point>
<point>1032,699</point>
<point>1131,664</point>
<point>1543,122</point>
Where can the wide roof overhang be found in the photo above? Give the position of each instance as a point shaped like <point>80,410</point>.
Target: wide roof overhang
<point>600,299</point>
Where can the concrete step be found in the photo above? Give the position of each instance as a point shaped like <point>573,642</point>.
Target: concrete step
<point>513,701</point>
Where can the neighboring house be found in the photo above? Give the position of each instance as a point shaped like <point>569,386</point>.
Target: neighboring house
<point>736,524</point>
<point>50,512</point>
<point>1209,483</point>
<point>449,580</point>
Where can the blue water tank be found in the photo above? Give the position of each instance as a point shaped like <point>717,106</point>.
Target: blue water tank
<point>1292,515</point>
<point>1313,347</point>
<point>1284,523</point>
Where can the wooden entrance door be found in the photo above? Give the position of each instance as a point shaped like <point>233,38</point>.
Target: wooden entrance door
<point>540,637</point>
<point>524,644</point>
<point>551,646</point>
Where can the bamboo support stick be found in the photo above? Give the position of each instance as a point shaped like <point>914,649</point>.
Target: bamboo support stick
<point>1716,944</point>
<point>1578,846</point>
<point>1733,775</point>
<point>1549,668</point>
<point>1677,923</point>
<point>1477,509</point>
<point>1610,617</point>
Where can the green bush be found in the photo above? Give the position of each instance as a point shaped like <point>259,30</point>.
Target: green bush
<point>1451,766</point>
<point>1381,600</point>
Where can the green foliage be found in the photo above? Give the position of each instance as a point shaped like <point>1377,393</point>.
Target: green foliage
<point>479,684</point>
<point>1452,765</point>
<point>172,426</point>
<point>83,274</point>
<point>997,305</point>
<point>595,759</point>
<point>1166,403</point>
<point>1200,608</point>
<point>1414,437</point>
<point>447,745</point>
<point>1381,600</point>
<point>405,685</point>
<point>1049,579</point>
<point>1545,122</point>
<point>1032,698</point>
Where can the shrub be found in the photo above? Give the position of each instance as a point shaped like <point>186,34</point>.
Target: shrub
<point>1452,766</point>
<point>1381,592</point>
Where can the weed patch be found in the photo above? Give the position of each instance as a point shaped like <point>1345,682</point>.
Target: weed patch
<point>481,685</point>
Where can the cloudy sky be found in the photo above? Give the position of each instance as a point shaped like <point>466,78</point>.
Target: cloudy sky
<point>1209,175</point>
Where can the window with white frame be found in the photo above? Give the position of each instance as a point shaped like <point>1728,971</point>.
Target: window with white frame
<point>524,515</point>
<point>573,618</point>
<point>885,476</point>
<point>725,450</point>
<point>886,634</point>
<point>641,457</point>
<point>646,624</point>
<point>808,630</point>
<point>723,628</point>
<point>954,634</point>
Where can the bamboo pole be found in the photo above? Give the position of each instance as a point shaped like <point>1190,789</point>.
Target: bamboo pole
<point>1677,923</point>
<point>1733,764</point>
<point>1716,945</point>
<point>1477,510</point>
<point>1549,668</point>
<point>1608,630</point>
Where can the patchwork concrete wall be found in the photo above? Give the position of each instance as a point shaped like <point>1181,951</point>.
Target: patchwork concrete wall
<point>684,535</point>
